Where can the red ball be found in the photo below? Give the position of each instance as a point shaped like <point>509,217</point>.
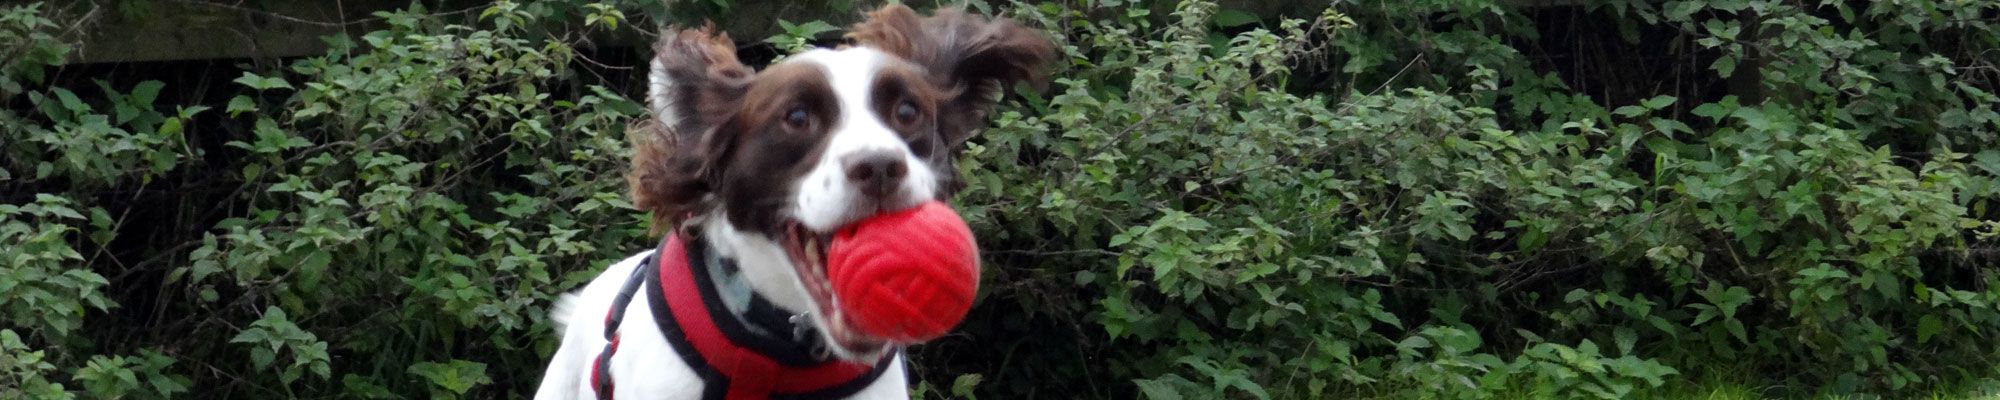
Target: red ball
<point>907,276</point>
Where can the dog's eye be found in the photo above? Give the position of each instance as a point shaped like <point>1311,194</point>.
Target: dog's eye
<point>798,117</point>
<point>906,112</point>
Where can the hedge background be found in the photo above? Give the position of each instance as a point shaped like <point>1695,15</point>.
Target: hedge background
<point>1411,199</point>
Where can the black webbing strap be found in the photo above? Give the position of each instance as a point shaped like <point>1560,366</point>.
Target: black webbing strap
<point>600,375</point>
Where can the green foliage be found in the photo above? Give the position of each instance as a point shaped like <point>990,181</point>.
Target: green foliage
<point>397,209</point>
<point>273,334</point>
<point>25,371</point>
<point>27,44</point>
<point>39,291</point>
<point>142,377</point>
<point>1239,239</point>
<point>1414,199</point>
<point>454,378</point>
<point>798,37</point>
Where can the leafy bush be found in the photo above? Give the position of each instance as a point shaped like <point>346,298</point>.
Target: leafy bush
<point>1232,238</point>
<point>1422,199</point>
<point>392,209</point>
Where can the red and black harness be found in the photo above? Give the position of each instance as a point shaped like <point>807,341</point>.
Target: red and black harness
<point>734,360</point>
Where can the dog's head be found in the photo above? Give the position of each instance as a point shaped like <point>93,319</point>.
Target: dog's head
<point>767,164</point>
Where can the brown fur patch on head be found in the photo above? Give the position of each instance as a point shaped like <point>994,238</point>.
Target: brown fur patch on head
<point>971,57</point>
<point>903,83</point>
<point>673,170</point>
<point>766,153</point>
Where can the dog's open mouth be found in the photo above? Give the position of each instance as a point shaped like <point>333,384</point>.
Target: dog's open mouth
<point>808,252</point>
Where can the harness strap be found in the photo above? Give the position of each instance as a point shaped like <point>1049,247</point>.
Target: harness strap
<point>600,381</point>
<point>733,361</point>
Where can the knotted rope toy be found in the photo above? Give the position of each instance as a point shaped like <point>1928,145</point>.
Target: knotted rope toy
<point>906,276</point>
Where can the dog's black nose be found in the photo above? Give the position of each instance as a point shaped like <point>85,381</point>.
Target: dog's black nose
<point>876,172</point>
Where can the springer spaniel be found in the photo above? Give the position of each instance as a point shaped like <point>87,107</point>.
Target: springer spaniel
<point>749,172</point>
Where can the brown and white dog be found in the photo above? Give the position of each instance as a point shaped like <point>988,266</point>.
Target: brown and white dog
<point>750,172</point>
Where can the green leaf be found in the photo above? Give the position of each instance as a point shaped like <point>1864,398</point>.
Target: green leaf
<point>1718,110</point>
<point>1156,389</point>
<point>457,376</point>
<point>251,335</point>
<point>814,28</point>
<point>1988,160</point>
<point>1735,327</point>
<point>1414,343</point>
<point>312,268</point>
<point>962,386</point>
<point>1122,238</point>
<point>70,102</point>
<point>64,212</point>
<point>1386,317</point>
<point>1658,102</point>
<point>1669,126</point>
<point>1233,18</point>
<point>1682,10</point>
<point>240,104</point>
<point>1724,66</point>
<point>145,92</point>
<point>1626,338</point>
<point>1630,111</point>
<point>260,82</point>
<point>1927,327</point>
<point>262,357</point>
<point>171,127</point>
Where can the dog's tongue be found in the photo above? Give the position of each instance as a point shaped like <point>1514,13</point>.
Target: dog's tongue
<point>907,276</point>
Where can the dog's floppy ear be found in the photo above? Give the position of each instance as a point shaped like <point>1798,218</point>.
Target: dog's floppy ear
<point>695,84</point>
<point>695,80</point>
<point>972,57</point>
